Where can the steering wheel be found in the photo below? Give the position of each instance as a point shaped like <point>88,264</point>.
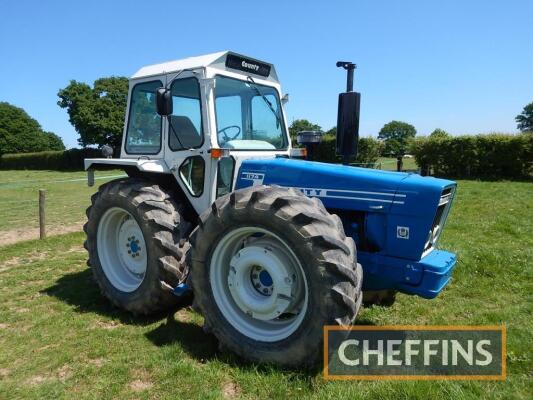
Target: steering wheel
<point>227,138</point>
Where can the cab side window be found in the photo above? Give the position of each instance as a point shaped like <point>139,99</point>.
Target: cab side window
<point>185,123</point>
<point>192,173</point>
<point>143,135</point>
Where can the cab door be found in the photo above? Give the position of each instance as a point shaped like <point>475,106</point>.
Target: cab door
<point>187,141</point>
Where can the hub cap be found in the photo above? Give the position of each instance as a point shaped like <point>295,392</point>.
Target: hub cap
<point>258,284</point>
<point>121,249</point>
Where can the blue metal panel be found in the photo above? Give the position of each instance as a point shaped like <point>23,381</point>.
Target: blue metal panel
<point>398,210</point>
<point>425,278</point>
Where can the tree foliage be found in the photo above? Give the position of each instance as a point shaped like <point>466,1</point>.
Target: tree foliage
<point>368,149</point>
<point>525,119</point>
<point>439,133</point>
<point>20,133</point>
<point>96,113</point>
<point>299,125</point>
<point>397,136</point>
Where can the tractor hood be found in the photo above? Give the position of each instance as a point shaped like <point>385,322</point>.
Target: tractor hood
<point>389,214</point>
<point>348,188</point>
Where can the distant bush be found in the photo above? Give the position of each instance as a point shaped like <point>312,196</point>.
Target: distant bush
<point>51,160</point>
<point>20,133</point>
<point>481,156</point>
<point>368,150</point>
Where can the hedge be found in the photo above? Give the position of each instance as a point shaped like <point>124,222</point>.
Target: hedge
<point>481,156</point>
<point>368,150</point>
<point>51,160</point>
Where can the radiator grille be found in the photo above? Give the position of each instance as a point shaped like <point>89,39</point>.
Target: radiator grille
<point>440,218</point>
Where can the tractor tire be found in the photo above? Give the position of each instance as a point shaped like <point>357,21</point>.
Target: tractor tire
<point>134,240</point>
<point>385,298</point>
<point>312,280</point>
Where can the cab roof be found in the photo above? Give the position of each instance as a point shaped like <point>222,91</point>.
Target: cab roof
<point>223,60</point>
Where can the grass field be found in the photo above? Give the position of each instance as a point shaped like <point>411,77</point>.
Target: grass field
<point>60,339</point>
<point>67,197</point>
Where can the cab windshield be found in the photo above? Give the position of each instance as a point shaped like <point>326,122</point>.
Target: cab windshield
<point>248,115</point>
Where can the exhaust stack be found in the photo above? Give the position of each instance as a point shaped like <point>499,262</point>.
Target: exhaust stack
<point>348,116</point>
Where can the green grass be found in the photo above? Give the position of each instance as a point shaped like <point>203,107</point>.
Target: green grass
<point>389,164</point>
<point>60,339</point>
<point>67,197</point>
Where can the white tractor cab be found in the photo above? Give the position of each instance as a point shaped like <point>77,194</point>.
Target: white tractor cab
<point>225,108</point>
<point>217,209</point>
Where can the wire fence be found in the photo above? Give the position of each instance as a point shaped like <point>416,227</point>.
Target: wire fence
<point>66,198</point>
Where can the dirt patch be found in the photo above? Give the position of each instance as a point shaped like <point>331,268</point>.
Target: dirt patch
<point>97,362</point>
<point>64,373</point>
<point>33,256</point>
<point>76,249</point>
<point>230,390</point>
<point>37,380</point>
<point>21,234</point>
<point>139,385</point>
<point>4,372</point>
<point>15,261</point>
<point>106,324</point>
<point>4,326</point>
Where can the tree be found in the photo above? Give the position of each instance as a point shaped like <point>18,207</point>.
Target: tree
<point>439,134</point>
<point>97,113</point>
<point>525,119</point>
<point>396,135</point>
<point>20,133</point>
<point>299,125</point>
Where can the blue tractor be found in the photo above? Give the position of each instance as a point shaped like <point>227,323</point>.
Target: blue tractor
<point>272,246</point>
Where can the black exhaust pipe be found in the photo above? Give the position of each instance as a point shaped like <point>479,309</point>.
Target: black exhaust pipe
<point>348,116</point>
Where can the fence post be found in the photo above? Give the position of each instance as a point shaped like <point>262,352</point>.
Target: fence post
<point>42,217</point>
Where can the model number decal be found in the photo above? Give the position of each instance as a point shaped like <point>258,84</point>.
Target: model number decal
<point>256,177</point>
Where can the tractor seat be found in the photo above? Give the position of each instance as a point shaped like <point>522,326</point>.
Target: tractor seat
<point>186,131</point>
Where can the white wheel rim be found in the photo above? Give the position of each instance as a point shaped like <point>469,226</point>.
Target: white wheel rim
<point>258,284</point>
<point>121,249</point>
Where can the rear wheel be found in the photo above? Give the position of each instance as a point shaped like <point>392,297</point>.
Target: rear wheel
<point>270,268</point>
<point>134,233</point>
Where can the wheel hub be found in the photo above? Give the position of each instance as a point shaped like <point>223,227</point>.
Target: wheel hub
<point>260,283</point>
<point>261,280</point>
<point>133,254</point>
<point>122,249</point>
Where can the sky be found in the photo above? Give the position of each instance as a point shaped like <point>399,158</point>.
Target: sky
<point>462,66</point>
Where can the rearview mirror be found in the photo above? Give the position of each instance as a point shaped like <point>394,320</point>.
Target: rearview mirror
<point>348,124</point>
<point>164,101</point>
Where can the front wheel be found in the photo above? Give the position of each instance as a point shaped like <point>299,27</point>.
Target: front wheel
<point>135,242</point>
<point>270,268</point>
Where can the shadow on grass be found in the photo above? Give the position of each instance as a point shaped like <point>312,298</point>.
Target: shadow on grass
<point>79,290</point>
